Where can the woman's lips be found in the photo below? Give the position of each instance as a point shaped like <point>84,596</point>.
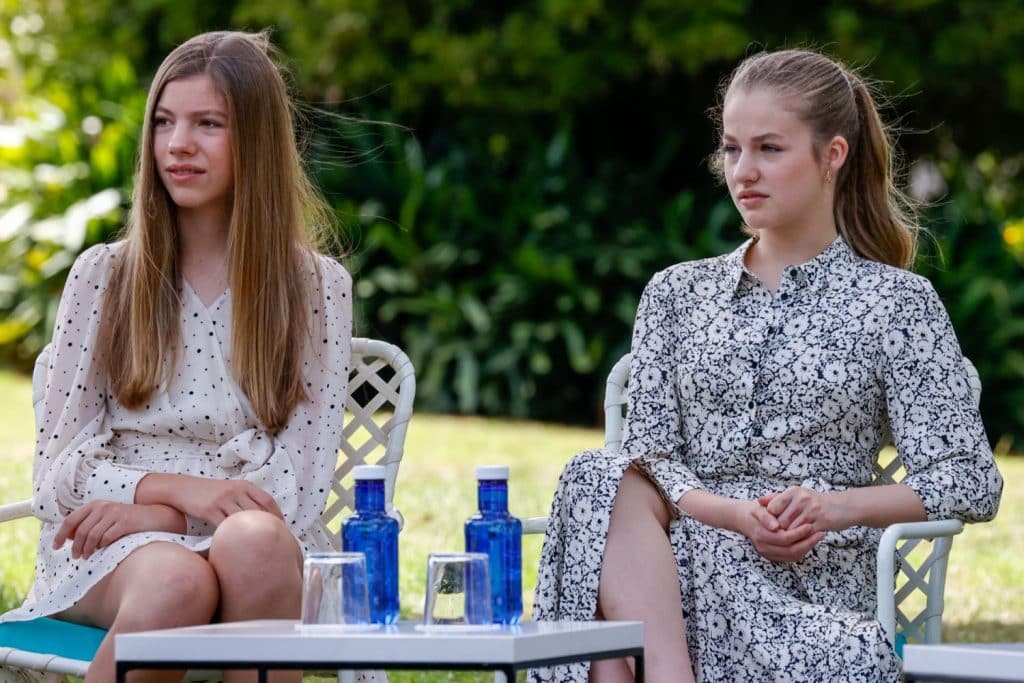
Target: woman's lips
<point>184,173</point>
<point>751,199</point>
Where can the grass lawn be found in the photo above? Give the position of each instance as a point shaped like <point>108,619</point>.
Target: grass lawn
<point>436,493</point>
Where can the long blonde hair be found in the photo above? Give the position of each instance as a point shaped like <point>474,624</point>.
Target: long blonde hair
<point>875,218</point>
<point>276,213</point>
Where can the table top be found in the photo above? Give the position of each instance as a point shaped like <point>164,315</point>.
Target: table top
<point>279,641</point>
<point>965,661</point>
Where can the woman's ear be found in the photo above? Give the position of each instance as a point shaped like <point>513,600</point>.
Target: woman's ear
<point>836,151</point>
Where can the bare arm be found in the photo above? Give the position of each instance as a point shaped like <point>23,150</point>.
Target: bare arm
<point>874,506</point>
<point>210,499</point>
<point>753,520</point>
<point>719,511</point>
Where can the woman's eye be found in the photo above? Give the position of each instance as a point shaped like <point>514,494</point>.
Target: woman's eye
<point>729,149</point>
<point>160,121</point>
<point>771,148</point>
<point>210,123</point>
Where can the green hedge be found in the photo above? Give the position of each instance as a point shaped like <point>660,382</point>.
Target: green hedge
<point>549,158</point>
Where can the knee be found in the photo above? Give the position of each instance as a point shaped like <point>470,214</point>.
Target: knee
<point>250,542</point>
<point>635,487</point>
<point>637,492</point>
<point>193,583</point>
<point>181,590</point>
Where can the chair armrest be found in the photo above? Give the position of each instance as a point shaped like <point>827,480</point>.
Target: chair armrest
<point>932,529</point>
<point>35,662</point>
<point>12,511</point>
<point>535,525</point>
<point>886,570</point>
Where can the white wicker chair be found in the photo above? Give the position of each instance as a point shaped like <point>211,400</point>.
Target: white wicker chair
<point>906,564</point>
<point>382,385</point>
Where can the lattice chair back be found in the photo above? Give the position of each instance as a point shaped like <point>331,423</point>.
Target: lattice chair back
<point>912,558</point>
<point>381,388</point>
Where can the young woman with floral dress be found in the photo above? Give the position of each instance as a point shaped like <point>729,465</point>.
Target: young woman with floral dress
<point>739,521</point>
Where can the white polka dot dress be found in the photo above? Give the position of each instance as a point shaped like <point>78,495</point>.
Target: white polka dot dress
<point>198,423</point>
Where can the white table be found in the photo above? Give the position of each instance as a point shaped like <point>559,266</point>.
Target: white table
<point>964,662</point>
<point>275,644</point>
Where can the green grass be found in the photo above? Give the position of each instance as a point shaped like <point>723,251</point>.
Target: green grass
<point>436,493</point>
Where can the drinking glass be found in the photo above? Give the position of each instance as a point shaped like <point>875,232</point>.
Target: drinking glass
<point>334,592</point>
<point>458,592</point>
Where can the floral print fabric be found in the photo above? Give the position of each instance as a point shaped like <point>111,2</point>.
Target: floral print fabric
<point>741,392</point>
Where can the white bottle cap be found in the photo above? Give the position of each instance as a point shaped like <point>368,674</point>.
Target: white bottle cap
<point>368,472</point>
<point>492,472</point>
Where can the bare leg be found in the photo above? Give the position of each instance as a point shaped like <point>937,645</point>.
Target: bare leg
<point>258,564</point>
<point>645,590</point>
<point>611,670</point>
<point>160,585</point>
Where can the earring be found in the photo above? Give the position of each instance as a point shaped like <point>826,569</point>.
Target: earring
<point>828,176</point>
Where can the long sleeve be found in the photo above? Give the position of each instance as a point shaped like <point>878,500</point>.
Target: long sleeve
<point>652,431</point>
<point>935,423</point>
<point>297,464</point>
<point>71,464</point>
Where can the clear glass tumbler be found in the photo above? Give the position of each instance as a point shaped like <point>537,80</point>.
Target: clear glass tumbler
<point>334,592</point>
<point>458,592</point>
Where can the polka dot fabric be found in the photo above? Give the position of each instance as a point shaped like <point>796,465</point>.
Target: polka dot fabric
<point>741,392</point>
<point>200,423</point>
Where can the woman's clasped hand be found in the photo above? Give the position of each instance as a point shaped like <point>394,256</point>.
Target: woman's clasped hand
<point>783,532</point>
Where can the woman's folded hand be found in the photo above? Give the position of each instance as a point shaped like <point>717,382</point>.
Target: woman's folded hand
<point>99,523</point>
<point>773,540</point>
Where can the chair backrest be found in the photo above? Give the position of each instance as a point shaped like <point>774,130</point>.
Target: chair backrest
<point>381,389</point>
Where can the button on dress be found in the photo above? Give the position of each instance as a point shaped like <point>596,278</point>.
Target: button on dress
<point>740,392</point>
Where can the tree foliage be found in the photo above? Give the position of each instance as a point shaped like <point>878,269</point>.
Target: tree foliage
<point>549,157</point>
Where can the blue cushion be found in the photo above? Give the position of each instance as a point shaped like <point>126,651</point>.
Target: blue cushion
<point>53,637</point>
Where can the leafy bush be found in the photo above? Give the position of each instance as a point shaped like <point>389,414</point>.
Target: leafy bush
<point>978,272</point>
<point>509,307</point>
<point>66,154</point>
<point>552,161</point>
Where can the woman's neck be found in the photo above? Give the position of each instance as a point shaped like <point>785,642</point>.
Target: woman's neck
<point>203,245</point>
<point>773,252</point>
<point>202,233</point>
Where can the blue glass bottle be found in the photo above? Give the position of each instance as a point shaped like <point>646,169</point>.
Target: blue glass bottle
<point>370,530</point>
<point>495,532</point>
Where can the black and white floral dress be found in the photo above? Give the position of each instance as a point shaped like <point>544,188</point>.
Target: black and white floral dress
<point>740,392</point>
